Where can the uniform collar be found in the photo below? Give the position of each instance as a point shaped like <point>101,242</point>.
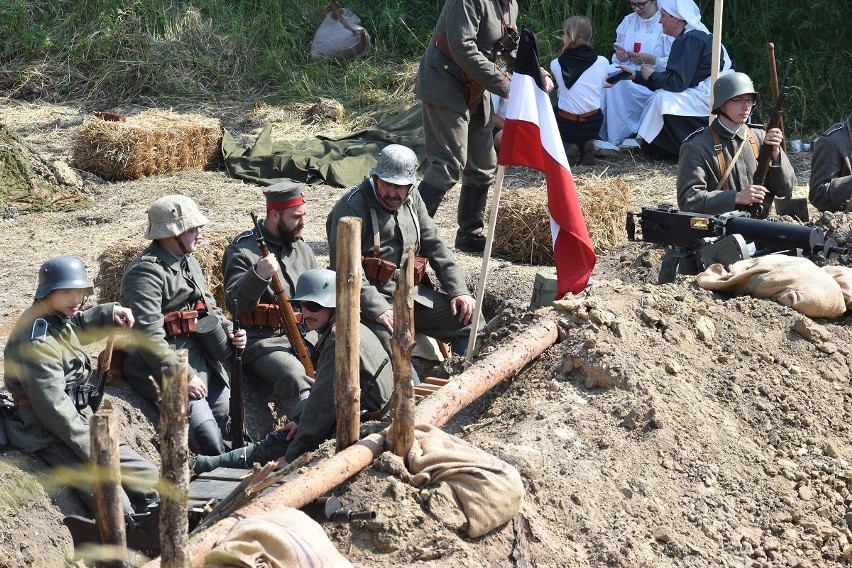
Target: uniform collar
<point>723,132</point>
<point>165,256</point>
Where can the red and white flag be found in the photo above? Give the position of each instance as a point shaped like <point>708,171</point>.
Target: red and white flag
<point>531,138</point>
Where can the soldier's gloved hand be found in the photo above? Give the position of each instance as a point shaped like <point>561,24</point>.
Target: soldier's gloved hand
<point>462,307</point>
<point>266,266</point>
<point>123,317</point>
<point>238,340</point>
<point>386,319</point>
<point>196,389</point>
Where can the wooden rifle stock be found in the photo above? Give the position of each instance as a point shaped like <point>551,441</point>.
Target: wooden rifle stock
<point>236,409</point>
<point>285,310</point>
<point>761,210</point>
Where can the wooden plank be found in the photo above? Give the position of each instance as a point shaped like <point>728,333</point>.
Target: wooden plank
<point>211,488</point>
<point>234,474</point>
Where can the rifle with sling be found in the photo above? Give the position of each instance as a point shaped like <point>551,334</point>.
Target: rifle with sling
<point>285,309</point>
<point>236,409</point>
<point>764,158</point>
<point>97,395</point>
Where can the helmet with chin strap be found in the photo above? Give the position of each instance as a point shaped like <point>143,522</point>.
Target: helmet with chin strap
<point>60,273</point>
<point>173,215</point>
<point>731,85</point>
<point>317,285</point>
<point>396,164</point>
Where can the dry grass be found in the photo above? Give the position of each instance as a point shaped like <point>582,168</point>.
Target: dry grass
<point>113,261</point>
<point>152,142</point>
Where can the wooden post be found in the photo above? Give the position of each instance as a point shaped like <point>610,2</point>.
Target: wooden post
<point>109,507</point>
<point>402,344</point>
<point>347,366</point>
<point>174,453</point>
<point>331,472</point>
<point>716,51</point>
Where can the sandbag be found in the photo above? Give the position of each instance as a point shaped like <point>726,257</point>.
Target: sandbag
<point>792,281</point>
<point>843,276</point>
<point>340,35</point>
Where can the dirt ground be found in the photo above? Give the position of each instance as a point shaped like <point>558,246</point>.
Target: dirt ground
<point>669,427</point>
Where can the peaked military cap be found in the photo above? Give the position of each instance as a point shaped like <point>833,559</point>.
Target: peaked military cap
<point>284,195</point>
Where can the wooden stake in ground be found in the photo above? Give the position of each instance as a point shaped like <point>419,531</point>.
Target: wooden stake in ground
<point>347,374</point>
<point>483,272</point>
<point>402,344</point>
<point>109,509</point>
<point>174,453</point>
<point>442,406</point>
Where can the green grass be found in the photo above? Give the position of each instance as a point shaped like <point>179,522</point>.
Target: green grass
<point>112,52</point>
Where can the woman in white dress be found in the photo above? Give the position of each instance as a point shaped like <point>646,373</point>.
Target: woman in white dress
<point>639,39</point>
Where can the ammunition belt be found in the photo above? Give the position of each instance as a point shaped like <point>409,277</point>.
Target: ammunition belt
<point>383,271</point>
<point>180,322</point>
<point>264,315</point>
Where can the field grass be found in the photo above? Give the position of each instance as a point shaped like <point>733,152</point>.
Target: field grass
<point>156,52</point>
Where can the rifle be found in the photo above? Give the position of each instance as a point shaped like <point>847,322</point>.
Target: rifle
<point>764,157</point>
<point>728,237</point>
<point>285,310</point>
<point>236,409</point>
<point>97,395</point>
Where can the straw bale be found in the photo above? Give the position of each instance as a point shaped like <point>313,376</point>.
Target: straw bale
<point>152,142</point>
<point>113,261</point>
<point>524,220</point>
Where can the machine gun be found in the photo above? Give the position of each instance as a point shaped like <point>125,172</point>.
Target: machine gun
<point>728,237</point>
<point>761,210</point>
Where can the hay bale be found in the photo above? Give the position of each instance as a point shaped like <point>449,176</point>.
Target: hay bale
<point>113,261</point>
<point>524,221</point>
<point>152,142</point>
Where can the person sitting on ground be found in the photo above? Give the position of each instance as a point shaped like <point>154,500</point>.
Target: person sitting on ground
<point>50,376</point>
<point>166,290</point>
<point>639,39</point>
<point>831,168</point>
<point>317,296</point>
<point>269,355</point>
<point>579,74</point>
<point>717,164</point>
<point>394,218</point>
<point>681,94</point>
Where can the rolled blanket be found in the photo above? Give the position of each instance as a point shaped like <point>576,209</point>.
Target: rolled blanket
<point>490,490</point>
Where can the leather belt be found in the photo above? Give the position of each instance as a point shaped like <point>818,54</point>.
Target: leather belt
<point>23,401</point>
<point>578,117</point>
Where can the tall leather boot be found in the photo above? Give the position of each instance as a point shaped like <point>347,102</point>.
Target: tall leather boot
<point>471,219</point>
<point>431,196</point>
<point>208,439</point>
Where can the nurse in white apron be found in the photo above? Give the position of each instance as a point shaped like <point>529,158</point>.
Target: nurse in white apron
<point>639,39</point>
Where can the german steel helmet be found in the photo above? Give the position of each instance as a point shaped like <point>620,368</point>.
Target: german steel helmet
<point>173,215</point>
<point>729,86</point>
<point>317,285</point>
<point>396,164</point>
<point>62,272</point>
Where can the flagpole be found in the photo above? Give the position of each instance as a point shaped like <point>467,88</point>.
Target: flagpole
<point>483,272</point>
<point>716,52</point>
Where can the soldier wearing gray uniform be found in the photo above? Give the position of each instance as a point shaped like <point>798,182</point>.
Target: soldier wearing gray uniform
<point>707,155</point>
<point>393,218</point>
<point>456,69</point>
<point>269,355</point>
<point>48,374</point>
<point>831,168</point>
<point>166,290</point>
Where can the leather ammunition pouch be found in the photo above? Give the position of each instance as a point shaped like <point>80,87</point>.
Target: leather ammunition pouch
<point>264,315</point>
<point>80,394</point>
<point>181,322</point>
<point>473,91</point>
<point>383,271</point>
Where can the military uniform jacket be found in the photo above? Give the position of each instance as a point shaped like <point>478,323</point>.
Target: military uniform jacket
<point>319,417</point>
<point>244,285</point>
<point>42,356</point>
<point>470,28</point>
<point>831,168</point>
<point>154,283</point>
<point>698,172</point>
<point>408,225</point>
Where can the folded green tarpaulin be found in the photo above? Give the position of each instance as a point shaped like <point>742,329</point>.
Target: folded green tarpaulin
<point>342,162</point>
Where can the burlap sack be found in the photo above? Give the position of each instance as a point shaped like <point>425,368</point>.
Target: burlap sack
<point>843,276</point>
<point>282,538</point>
<point>489,489</point>
<point>791,281</point>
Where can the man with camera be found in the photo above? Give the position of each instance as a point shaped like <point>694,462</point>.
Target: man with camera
<point>394,218</point>
<point>459,65</point>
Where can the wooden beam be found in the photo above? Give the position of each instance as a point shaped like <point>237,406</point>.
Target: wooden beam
<point>402,344</point>
<point>109,507</point>
<point>347,375</point>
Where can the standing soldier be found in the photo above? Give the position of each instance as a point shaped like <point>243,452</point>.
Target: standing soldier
<point>166,290</point>
<point>455,71</point>
<point>48,374</point>
<point>831,168</point>
<point>269,355</point>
